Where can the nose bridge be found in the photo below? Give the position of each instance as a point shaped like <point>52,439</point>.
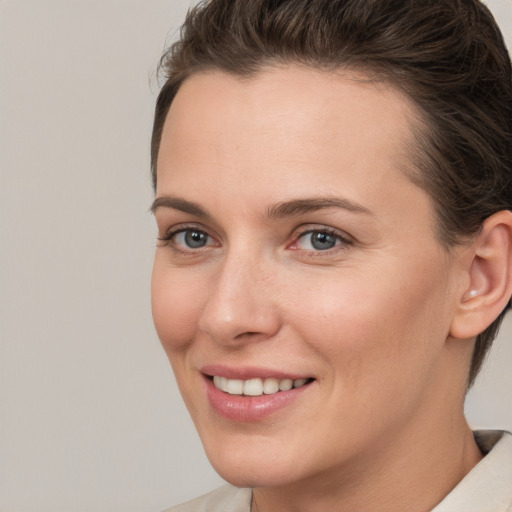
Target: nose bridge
<point>240,305</point>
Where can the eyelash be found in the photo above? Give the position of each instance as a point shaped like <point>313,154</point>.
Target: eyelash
<point>169,238</point>
<point>342,239</point>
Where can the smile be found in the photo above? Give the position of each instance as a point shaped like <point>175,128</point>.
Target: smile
<point>257,386</point>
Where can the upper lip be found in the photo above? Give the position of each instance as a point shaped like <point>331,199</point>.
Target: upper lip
<point>249,372</point>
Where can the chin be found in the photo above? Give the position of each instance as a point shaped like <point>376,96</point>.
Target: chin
<point>256,465</point>
<point>251,477</point>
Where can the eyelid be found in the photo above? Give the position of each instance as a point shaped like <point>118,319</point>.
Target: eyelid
<point>345,238</point>
<point>171,233</point>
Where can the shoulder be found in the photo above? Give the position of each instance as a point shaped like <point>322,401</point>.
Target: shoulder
<point>224,499</point>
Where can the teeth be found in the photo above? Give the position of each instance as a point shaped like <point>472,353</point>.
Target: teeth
<point>299,382</point>
<point>235,386</point>
<point>253,387</point>
<point>285,385</point>
<point>256,387</point>
<point>270,386</point>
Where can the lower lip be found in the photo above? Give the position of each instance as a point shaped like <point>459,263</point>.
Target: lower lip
<point>250,408</point>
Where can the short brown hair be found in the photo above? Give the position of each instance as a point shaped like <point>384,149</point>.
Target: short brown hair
<point>449,56</point>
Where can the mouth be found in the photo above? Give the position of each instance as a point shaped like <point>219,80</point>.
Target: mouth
<point>257,386</point>
<point>250,394</point>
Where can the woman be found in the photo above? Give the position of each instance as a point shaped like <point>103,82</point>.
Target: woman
<point>333,185</point>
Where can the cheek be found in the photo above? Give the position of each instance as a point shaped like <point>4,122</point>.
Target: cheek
<point>375,322</point>
<point>176,306</point>
<point>380,346</point>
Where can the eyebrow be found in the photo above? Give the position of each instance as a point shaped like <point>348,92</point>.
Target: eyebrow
<point>177,203</point>
<point>308,205</point>
<point>291,208</point>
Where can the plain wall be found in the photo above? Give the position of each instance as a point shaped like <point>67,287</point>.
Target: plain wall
<point>90,417</point>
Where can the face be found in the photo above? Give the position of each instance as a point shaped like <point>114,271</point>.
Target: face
<point>299,290</point>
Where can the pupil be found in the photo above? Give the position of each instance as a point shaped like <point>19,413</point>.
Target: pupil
<point>323,241</point>
<point>195,239</point>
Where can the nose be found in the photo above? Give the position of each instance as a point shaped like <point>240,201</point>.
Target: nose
<point>241,306</point>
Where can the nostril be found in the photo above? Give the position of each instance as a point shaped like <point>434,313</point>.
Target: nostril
<point>248,334</point>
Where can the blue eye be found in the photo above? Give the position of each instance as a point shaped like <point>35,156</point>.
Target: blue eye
<point>192,239</point>
<point>318,240</point>
<point>188,239</point>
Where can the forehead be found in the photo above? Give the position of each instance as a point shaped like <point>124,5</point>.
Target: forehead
<point>285,129</point>
<point>288,102</point>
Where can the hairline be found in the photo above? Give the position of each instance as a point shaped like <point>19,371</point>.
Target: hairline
<point>410,162</point>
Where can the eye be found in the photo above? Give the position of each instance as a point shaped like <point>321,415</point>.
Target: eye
<point>189,239</point>
<point>319,240</point>
<point>192,238</point>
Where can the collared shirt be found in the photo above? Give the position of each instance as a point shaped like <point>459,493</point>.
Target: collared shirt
<point>486,488</point>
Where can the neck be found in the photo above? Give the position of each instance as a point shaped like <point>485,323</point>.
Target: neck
<point>413,474</point>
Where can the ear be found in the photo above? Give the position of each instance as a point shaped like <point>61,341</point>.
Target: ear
<point>490,278</point>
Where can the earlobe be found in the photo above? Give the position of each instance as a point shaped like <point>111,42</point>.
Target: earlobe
<point>490,278</point>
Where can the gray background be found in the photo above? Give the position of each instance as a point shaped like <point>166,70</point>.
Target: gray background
<point>90,418</point>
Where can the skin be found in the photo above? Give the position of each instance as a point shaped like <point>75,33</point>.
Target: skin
<point>381,428</point>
